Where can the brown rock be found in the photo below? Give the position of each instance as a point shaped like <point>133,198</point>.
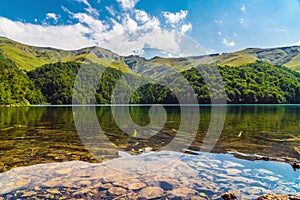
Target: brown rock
<point>277,197</point>
<point>121,183</point>
<point>136,185</point>
<point>84,183</point>
<point>184,192</point>
<point>229,196</point>
<point>117,191</point>
<point>103,186</point>
<point>28,193</point>
<point>64,171</point>
<point>22,183</point>
<point>151,192</point>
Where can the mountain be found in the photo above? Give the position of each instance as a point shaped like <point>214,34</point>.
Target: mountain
<point>287,56</point>
<point>29,57</point>
<point>45,75</point>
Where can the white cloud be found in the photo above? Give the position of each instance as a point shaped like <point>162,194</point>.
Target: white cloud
<point>175,18</point>
<point>66,10</point>
<point>219,33</point>
<point>228,43</point>
<point>294,44</point>
<point>243,8</point>
<point>186,27</point>
<point>89,8</point>
<point>211,51</point>
<point>130,25</point>
<point>219,22</point>
<point>141,16</point>
<point>65,37</point>
<point>52,16</point>
<point>128,4</point>
<point>128,32</point>
<point>282,30</point>
<point>94,24</point>
<point>110,9</point>
<point>242,21</point>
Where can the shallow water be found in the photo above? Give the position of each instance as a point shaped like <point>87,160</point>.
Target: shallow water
<point>48,136</point>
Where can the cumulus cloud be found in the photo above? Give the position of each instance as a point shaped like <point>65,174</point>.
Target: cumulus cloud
<point>126,32</point>
<point>127,4</point>
<point>141,16</point>
<point>175,18</point>
<point>66,37</point>
<point>228,43</point>
<point>186,27</point>
<point>52,16</point>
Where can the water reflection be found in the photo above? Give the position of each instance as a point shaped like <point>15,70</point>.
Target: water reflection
<point>32,135</point>
<point>37,135</point>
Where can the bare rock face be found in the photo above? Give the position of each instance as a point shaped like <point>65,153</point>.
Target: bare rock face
<point>277,197</point>
<point>151,192</point>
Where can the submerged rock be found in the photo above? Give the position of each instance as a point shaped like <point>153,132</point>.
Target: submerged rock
<point>117,191</point>
<point>151,192</point>
<point>277,197</point>
<point>184,192</point>
<point>137,185</point>
<point>229,196</point>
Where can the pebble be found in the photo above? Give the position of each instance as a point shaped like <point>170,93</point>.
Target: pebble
<point>151,192</point>
<point>28,193</point>
<point>117,191</point>
<point>184,192</point>
<point>137,185</point>
<point>84,183</point>
<point>22,183</point>
<point>64,171</point>
<point>53,191</point>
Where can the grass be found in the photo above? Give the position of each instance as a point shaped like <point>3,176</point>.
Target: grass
<point>24,60</point>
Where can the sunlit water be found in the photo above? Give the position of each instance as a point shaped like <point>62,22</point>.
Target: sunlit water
<point>43,156</point>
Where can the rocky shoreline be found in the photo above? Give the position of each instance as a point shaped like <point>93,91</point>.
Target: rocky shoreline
<point>190,177</point>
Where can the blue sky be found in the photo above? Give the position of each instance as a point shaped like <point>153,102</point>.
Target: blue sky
<point>217,25</point>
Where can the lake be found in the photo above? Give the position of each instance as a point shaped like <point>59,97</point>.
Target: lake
<point>176,152</point>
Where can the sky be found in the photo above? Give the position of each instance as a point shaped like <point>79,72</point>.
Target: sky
<point>131,26</point>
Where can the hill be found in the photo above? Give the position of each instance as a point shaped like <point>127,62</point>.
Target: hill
<point>29,57</point>
<point>15,87</point>
<point>45,75</point>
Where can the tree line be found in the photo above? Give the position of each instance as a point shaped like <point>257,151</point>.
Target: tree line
<point>255,83</point>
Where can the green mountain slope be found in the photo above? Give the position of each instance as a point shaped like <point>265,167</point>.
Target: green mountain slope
<point>250,76</point>
<point>15,87</point>
<point>257,82</point>
<point>287,56</point>
<point>29,57</point>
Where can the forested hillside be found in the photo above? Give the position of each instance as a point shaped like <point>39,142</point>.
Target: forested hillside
<point>37,75</point>
<point>254,83</point>
<point>56,82</point>
<point>15,87</point>
<point>258,82</point>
